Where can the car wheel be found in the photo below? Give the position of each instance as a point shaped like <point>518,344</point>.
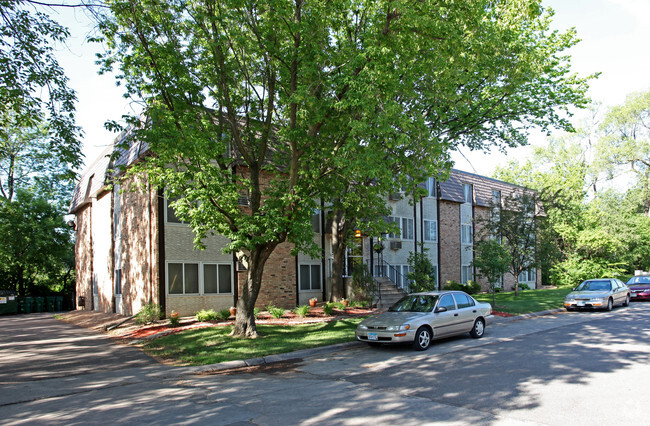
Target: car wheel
<point>422,339</point>
<point>627,300</point>
<point>610,304</point>
<point>478,330</point>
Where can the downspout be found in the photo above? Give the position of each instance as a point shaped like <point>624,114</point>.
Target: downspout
<point>297,281</point>
<point>439,242</point>
<point>415,227</point>
<point>162,270</point>
<point>322,245</point>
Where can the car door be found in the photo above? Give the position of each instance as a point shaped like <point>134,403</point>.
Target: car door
<point>445,317</point>
<point>467,312</point>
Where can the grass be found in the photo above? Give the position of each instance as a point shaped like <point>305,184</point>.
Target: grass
<point>213,344</point>
<point>527,301</point>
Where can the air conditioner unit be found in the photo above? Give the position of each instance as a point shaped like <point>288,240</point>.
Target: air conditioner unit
<point>395,196</point>
<point>395,245</point>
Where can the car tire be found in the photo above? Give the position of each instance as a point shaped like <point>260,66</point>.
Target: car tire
<point>478,329</point>
<point>610,304</point>
<point>422,339</point>
<point>627,301</point>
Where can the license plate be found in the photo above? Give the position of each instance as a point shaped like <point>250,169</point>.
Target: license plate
<point>634,293</point>
<point>372,336</point>
<point>581,303</point>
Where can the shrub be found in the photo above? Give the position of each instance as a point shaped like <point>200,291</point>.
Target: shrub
<point>223,314</point>
<point>204,315</point>
<point>363,284</point>
<point>148,314</point>
<point>328,308</point>
<point>256,312</point>
<point>275,312</point>
<point>472,287</point>
<point>340,306</point>
<point>302,311</point>
<point>524,287</point>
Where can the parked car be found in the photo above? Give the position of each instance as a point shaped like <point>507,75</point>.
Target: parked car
<point>422,317</point>
<point>603,293</point>
<point>639,287</point>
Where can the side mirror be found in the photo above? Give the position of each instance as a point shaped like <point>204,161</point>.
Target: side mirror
<point>441,309</point>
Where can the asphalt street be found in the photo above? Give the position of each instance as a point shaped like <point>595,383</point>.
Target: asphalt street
<point>566,368</point>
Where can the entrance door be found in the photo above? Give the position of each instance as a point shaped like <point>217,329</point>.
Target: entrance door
<point>95,293</point>
<point>118,292</point>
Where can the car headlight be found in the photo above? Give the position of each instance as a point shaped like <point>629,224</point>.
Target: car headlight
<point>362,327</point>
<point>402,327</point>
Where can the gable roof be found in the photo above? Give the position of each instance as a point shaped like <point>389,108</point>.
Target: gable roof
<point>452,188</point>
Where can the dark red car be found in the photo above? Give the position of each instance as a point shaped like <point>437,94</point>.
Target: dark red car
<point>639,287</point>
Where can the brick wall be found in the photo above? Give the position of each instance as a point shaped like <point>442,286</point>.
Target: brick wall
<point>449,241</point>
<point>83,256</point>
<point>279,279</point>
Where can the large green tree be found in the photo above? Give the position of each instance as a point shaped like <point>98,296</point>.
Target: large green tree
<point>310,93</point>
<point>33,86</point>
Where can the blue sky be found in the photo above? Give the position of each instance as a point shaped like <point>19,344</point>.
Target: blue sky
<point>615,37</point>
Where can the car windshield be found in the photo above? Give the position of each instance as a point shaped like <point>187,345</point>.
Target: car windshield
<point>414,303</point>
<point>601,285</point>
<point>639,280</point>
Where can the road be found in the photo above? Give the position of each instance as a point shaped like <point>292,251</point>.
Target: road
<point>567,368</point>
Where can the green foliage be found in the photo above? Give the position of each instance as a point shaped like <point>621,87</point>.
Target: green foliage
<point>471,287</point>
<point>340,306</point>
<point>302,310</point>
<point>492,260</point>
<point>36,248</point>
<point>423,273</point>
<point>328,308</point>
<point>275,312</point>
<point>149,313</point>
<point>33,87</point>
<point>207,315</point>
<point>223,314</point>
<point>257,312</point>
<point>318,96</point>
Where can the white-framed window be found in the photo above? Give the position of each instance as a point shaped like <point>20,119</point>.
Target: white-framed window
<point>170,214</point>
<point>466,273</point>
<point>398,233</point>
<point>199,278</point>
<point>528,276</point>
<point>466,236</point>
<point>315,221</point>
<point>431,187</point>
<point>309,277</point>
<point>407,228</point>
<point>468,193</point>
<point>430,230</point>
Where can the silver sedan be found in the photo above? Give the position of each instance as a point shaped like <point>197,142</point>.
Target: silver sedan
<point>422,317</point>
<point>603,293</point>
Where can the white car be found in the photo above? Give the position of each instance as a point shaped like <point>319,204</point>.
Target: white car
<point>603,293</point>
<point>422,317</point>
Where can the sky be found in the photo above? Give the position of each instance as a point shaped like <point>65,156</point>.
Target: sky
<point>615,35</point>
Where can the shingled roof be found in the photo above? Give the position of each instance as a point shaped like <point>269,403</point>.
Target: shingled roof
<point>452,188</point>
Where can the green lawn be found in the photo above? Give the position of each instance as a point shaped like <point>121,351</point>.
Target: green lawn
<point>527,301</point>
<point>212,345</point>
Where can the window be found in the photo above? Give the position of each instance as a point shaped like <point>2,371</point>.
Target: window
<point>407,228</point>
<point>431,187</point>
<point>466,236</point>
<point>430,230</point>
<point>217,278</point>
<point>310,277</point>
<point>405,270</point>
<point>463,301</point>
<point>467,193</point>
<point>496,198</point>
<point>315,221</point>
<point>466,274</point>
<point>184,278</point>
<point>398,233</point>
<point>447,302</point>
<point>171,214</point>
<point>528,276</point>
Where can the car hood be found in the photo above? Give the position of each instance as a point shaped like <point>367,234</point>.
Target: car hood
<point>587,294</point>
<point>643,286</point>
<point>391,318</point>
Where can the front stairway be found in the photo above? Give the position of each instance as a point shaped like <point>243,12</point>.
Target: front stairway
<point>389,292</point>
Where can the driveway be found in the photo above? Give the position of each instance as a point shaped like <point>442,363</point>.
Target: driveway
<point>37,346</point>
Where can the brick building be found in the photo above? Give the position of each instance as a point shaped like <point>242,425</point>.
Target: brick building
<point>131,250</point>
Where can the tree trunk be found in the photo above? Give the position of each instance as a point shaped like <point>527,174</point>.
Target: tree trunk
<point>245,317</point>
<point>338,256</point>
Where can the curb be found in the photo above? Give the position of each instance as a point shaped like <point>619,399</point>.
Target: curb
<point>228,365</point>
<point>530,315</point>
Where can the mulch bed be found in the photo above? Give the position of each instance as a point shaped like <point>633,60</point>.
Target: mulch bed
<point>315,315</point>
<point>501,314</point>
